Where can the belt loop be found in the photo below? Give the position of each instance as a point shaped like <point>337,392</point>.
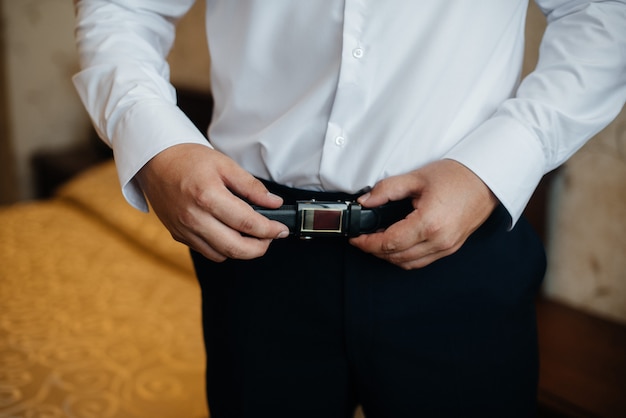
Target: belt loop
<point>354,226</point>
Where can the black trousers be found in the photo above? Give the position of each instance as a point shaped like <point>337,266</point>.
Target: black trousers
<point>316,327</point>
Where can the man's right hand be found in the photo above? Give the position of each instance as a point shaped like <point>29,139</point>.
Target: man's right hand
<point>197,194</point>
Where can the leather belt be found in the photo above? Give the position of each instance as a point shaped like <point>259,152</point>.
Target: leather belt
<point>311,218</point>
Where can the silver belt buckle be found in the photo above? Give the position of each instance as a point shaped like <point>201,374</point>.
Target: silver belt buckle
<point>325,219</point>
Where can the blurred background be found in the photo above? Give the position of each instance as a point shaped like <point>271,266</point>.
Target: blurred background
<point>46,138</point>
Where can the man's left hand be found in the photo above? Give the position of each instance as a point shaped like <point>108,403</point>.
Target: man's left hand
<point>450,203</point>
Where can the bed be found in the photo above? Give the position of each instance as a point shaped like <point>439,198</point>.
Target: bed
<point>99,309</point>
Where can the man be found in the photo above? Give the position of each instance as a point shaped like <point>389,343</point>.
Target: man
<point>429,314</point>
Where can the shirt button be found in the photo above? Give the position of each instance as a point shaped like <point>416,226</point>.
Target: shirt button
<point>340,141</point>
<point>357,52</point>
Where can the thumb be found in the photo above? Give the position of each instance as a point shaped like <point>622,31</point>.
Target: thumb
<point>392,189</point>
<point>263,197</point>
<point>254,191</point>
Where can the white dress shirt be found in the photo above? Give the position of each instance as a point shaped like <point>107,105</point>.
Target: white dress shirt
<point>339,94</point>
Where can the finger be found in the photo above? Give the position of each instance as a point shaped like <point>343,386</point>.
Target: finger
<point>399,237</point>
<point>422,262</point>
<point>418,256</point>
<point>241,217</point>
<point>206,250</point>
<point>252,189</point>
<point>218,242</point>
<point>409,243</point>
<point>421,253</point>
<point>391,189</point>
<point>235,213</point>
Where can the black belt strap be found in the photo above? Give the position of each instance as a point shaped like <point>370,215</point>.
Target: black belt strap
<point>308,219</point>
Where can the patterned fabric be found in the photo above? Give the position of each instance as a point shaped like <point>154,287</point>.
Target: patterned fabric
<point>99,310</point>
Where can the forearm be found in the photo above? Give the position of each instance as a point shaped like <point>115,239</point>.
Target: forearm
<point>578,87</point>
<point>124,81</point>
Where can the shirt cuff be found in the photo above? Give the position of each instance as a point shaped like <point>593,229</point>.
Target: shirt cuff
<point>507,157</point>
<point>145,130</point>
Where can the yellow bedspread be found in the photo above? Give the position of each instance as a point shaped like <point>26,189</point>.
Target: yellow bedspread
<point>99,309</point>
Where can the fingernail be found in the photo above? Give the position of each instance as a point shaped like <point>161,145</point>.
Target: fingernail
<point>283,234</point>
<point>273,196</point>
<point>363,199</point>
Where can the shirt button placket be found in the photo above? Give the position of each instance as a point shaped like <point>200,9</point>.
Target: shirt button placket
<point>348,102</point>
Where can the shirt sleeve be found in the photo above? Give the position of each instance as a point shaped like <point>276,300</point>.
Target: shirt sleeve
<point>577,88</point>
<point>124,81</point>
